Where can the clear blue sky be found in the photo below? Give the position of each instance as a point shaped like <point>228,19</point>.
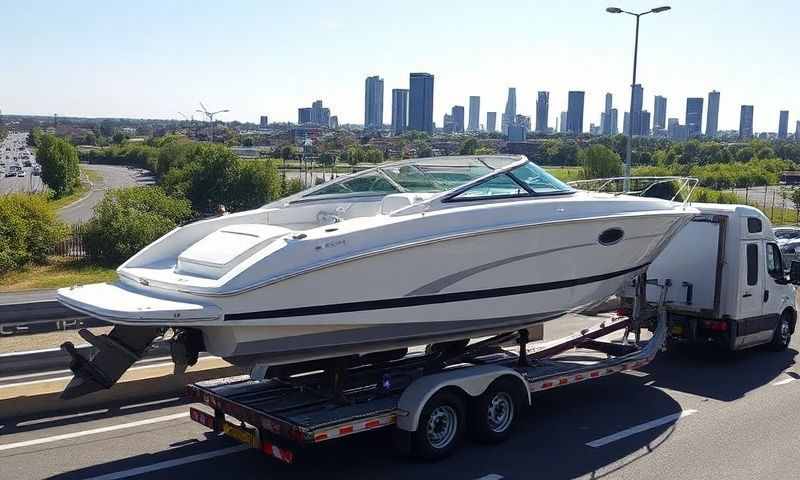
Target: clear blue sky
<point>155,58</point>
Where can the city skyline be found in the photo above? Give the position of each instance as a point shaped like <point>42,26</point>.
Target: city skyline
<point>110,67</point>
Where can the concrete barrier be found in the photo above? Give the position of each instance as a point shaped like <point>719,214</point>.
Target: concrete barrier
<point>35,397</point>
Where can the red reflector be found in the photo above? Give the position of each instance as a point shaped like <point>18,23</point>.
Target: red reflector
<point>320,437</point>
<point>346,430</point>
<point>547,384</point>
<point>372,423</point>
<point>277,452</point>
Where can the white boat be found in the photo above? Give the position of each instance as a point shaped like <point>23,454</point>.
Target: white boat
<point>410,253</point>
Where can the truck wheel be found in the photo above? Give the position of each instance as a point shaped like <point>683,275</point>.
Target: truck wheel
<point>783,334</point>
<point>440,427</point>
<point>495,412</point>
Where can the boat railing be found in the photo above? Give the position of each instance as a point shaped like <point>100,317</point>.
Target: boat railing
<point>670,188</point>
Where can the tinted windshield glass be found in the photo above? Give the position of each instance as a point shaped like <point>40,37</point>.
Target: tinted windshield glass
<point>370,183</point>
<point>538,180</point>
<point>499,186</point>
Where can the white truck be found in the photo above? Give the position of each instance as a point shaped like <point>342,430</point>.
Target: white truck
<point>729,286</point>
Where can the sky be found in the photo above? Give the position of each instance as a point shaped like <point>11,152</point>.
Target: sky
<point>153,59</point>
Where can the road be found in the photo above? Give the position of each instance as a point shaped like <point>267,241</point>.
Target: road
<point>766,197</point>
<point>113,177</point>
<point>17,159</point>
<point>688,415</point>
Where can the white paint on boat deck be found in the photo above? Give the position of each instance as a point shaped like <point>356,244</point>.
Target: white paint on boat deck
<point>640,428</point>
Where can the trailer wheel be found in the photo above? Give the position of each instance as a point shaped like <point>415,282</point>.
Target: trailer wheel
<point>495,412</point>
<point>783,334</point>
<point>440,427</point>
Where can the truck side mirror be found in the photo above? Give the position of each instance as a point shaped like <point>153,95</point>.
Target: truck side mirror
<point>794,273</point>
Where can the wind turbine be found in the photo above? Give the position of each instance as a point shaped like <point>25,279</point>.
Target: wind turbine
<point>210,116</point>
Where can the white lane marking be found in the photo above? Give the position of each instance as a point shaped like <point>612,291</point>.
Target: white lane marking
<point>783,382</point>
<point>491,476</point>
<point>149,404</point>
<point>110,428</point>
<point>640,428</point>
<point>33,382</point>
<point>170,463</point>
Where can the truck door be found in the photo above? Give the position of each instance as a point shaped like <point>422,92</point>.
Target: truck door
<point>751,281</point>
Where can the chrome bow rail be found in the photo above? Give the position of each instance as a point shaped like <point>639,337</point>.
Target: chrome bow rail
<point>682,187</point>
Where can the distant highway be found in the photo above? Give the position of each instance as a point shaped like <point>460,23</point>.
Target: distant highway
<point>113,177</point>
<point>18,172</point>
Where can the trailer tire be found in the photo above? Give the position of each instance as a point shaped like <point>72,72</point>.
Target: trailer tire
<point>494,413</point>
<point>783,333</point>
<point>441,426</point>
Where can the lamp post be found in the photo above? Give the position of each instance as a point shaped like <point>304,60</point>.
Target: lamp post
<point>626,182</point>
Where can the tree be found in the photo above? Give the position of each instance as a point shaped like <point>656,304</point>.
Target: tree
<point>59,161</point>
<point>485,151</point>
<point>28,230</point>
<point>423,149</point>
<point>34,136</point>
<point>118,138</point>
<point>599,161</point>
<point>248,142</point>
<point>468,147</point>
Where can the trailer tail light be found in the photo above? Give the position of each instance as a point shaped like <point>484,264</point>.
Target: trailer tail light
<point>201,417</point>
<point>716,325</point>
<point>275,451</point>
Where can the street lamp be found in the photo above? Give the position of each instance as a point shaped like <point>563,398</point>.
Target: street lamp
<point>210,116</point>
<point>626,183</point>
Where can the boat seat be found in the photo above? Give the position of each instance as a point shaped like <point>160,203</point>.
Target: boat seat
<point>396,201</point>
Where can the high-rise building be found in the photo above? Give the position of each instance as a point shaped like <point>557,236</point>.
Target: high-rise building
<point>645,125</point>
<point>264,121</point>
<point>562,122</point>
<point>420,102</point>
<point>575,112</point>
<point>458,118</point>
<point>605,116</point>
<point>399,110</point>
<point>542,111</point>
<point>660,113</point>
<point>474,114</point>
<point>783,124</point>
<point>712,118</point>
<point>797,130</point>
<point>613,123</point>
<point>319,114</point>
<point>511,110</point>
<point>447,123</point>
<point>491,121</point>
<point>373,102</point>
<point>694,116</point>
<point>746,122</point>
<point>635,118</point>
<point>517,133</point>
<point>303,115</point>
<point>333,122</point>
<point>523,120</point>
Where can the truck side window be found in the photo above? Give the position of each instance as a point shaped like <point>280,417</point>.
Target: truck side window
<point>752,263</point>
<point>774,261</point>
<point>753,224</point>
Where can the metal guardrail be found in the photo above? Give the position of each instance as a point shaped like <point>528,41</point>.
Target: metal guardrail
<point>41,317</point>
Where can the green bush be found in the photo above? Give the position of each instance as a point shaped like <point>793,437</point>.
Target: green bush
<point>28,230</point>
<point>59,161</point>
<point>128,219</point>
<point>599,161</point>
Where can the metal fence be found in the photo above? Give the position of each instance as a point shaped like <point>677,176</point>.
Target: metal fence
<point>73,245</point>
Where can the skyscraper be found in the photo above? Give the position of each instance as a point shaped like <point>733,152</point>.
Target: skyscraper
<point>694,116</point>
<point>542,111</point>
<point>660,113</point>
<point>303,115</point>
<point>399,110</point>
<point>575,112</point>
<point>491,121</point>
<point>605,117</point>
<point>511,110</point>
<point>783,124</point>
<point>319,114</point>
<point>635,119</point>
<point>373,102</point>
<point>797,130</point>
<point>420,102</point>
<point>474,114</point>
<point>562,122</point>
<point>712,120</point>
<point>746,122</point>
<point>614,124</point>
<point>264,122</point>
<point>458,118</point>
<point>645,125</point>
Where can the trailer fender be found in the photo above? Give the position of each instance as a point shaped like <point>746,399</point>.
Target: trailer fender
<point>472,381</point>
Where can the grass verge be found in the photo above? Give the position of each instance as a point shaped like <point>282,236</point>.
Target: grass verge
<point>59,272</point>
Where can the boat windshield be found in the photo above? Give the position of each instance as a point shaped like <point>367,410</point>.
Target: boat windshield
<point>430,175</point>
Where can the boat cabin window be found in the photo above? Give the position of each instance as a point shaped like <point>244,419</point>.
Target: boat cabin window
<point>499,186</point>
<point>538,180</point>
<point>370,183</point>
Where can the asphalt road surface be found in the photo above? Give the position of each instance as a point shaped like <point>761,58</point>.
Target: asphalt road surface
<point>14,154</point>
<point>688,415</point>
<point>113,177</point>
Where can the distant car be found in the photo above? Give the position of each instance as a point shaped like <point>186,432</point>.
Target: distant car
<point>11,173</point>
<point>21,173</point>
<point>786,234</point>
<point>790,252</point>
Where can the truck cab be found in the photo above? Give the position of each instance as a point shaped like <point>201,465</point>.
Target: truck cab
<point>729,286</point>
